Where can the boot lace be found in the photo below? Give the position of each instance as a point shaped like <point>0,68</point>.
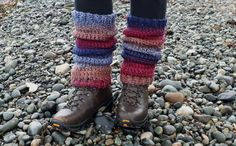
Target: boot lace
<point>131,95</point>
<point>77,100</point>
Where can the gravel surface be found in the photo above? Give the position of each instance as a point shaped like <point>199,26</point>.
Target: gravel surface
<point>192,99</point>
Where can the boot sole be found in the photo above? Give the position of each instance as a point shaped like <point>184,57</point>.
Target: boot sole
<point>76,127</point>
<point>127,124</point>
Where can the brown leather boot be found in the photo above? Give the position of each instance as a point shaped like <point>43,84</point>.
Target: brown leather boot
<point>132,110</point>
<point>82,107</point>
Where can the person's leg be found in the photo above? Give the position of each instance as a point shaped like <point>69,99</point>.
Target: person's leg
<point>92,55</point>
<point>143,41</point>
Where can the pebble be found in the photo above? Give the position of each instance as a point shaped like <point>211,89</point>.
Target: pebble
<point>227,96</point>
<point>49,55</point>
<point>152,89</point>
<point>184,111</point>
<point>53,96</point>
<point>202,118</point>
<point>210,97</point>
<point>32,87</point>
<point>58,138</point>
<point>226,110</point>
<point>34,128</point>
<point>31,108</point>
<point>109,142</point>
<point>49,106</point>
<point>117,141</point>
<point>8,126</point>
<point>219,136</point>
<point>146,135</point>
<point>36,142</point>
<point>205,139</point>
<point>7,115</point>
<point>176,84</point>
<point>9,137</point>
<point>15,93</point>
<point>208,110</point>
<point>158,130</point>
<point>169,129</point>
<point>58,87</point>
<point>62,69</point>
<point>169,88</point>
<point>174,97</point>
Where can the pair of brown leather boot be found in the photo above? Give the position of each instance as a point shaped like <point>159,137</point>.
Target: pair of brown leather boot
<point>132,110</point>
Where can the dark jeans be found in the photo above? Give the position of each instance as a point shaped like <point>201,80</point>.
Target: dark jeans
<point>153,9</point>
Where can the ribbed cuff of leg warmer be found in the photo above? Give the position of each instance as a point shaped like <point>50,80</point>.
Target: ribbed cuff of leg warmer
<point>143,41</point>
<point>92,54</point>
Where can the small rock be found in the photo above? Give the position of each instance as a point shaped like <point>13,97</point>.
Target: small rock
<point>158,130</point>
<point>177,144</point>
<point>174,97</point>
<point>15,93</point>
<point>146,135</point>
<point>109,142</point>
<point>202,118</point>
<point>62,69</point>
<point>169,88</point>
<point>68,141</point>
<point>169,129</point>
<point>210,97</point>
<point>31,108</point>
<point>204,89</point>
<point>176,84</point>
<point>208,110</point>
<point>8,115</point>
<point>34,128</point>
<point>152,89</point>
<point>117,141</point>
<point>226,110</point>
<point>29,52</point>
<point>9,137</point>
<point>220,137</point>
<point>32,87</point>
<point>184,111</point>
<point>53,96</point>
<point>58,87</point>
<point>9,126</point>
<point>205,139</point>
<point>36,142</point>
<point>49,106</point>
<point>58,138</point>
<point>49,55</point>
<point>227,96</point>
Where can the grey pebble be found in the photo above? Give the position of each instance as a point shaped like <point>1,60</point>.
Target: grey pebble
<point>31,108</point>
<point>15,93</point>
<point>219,136</point>
<point>34,128</point>
<point>58,87</point>
<point>169,129</point>
<point>53,96</point>
<point>9,126</point>
<point>8,115</point>
<point>9,137</point>
<point>58,138</point>
<point>227,96</point>
<point>48,106</point>
<point>169,88</point>
<point>176,84</point>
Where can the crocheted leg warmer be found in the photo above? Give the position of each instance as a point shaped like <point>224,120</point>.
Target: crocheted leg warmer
<point>92,54</point>
<point>142,45</point>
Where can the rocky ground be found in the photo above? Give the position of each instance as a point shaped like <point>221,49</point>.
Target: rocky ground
<point>193,100</point>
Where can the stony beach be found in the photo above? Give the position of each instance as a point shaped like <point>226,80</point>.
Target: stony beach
<point>192,100</point>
